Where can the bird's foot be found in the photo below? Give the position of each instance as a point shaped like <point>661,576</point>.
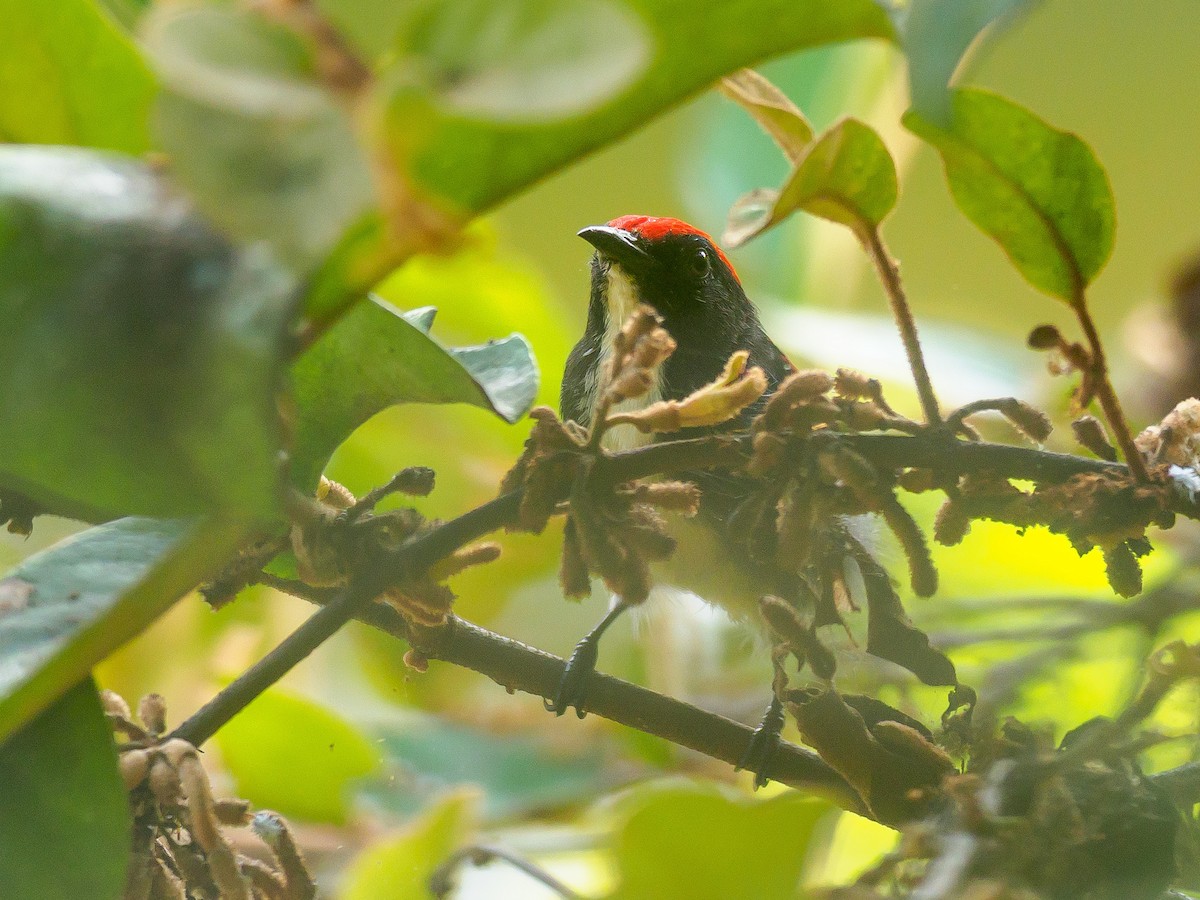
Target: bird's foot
<point>763,744</point>
<point>572,687</point>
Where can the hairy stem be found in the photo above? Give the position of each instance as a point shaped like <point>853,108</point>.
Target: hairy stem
<point>889,275</point>
<point>1104,390</point>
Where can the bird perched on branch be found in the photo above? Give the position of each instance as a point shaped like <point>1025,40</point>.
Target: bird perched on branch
<point>680,273</point>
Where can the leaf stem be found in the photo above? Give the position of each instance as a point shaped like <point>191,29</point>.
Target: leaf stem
<point>1104,389</point>
<point>889,275</point>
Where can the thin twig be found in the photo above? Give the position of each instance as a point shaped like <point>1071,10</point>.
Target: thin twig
<point>1104,389</point>
<point>442,880</point>
<point>889,275</point>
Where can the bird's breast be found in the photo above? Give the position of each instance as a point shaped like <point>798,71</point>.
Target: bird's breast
<point>622,299</point>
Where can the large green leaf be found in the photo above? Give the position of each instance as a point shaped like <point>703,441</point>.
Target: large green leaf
<point>289,754</point>
<point>64,815</point>
<point>375,357</point>
<point>699,841</point>
<point>527,60</point>
<point>475,162</point>
<point>142,353</point>
<point>1038,192</point>
<point>268,153</point>
<point>66,608</point>
<point>71,77</point>
<point>846,176</point>
<point>936,34</point>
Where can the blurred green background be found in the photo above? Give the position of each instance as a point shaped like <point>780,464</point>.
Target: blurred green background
<point>363,753</point>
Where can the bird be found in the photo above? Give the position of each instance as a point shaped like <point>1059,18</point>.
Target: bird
<point>684,276</point>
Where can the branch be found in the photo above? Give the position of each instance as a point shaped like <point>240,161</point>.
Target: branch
<point>519,667</point>
<point>539,673</point>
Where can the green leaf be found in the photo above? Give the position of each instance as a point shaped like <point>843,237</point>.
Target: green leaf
<point>64,814</point>
<point>289,754</point>
<point>520,61</point>
<point>847,176</point>
<point>71,77</point>
<point>698,841</point>
<point>399,867</point>
<point>517,774</point>
<point>936,34</point>
<point>375,357</point>
<point>142,352</point>
<point>772,109</point>
<point>1038,192</point>
<point>268,153</point>
<point>66,608</point>
<point>476,163</point>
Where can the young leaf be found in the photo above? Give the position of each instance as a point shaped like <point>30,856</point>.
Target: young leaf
<point>847,176</point>
<point>66,608</point>
<point>771,108</point>
<point>1038,192</point>
<point>375,357</point>
<point>936,34</point>
<point>142,352</point>
<point>71,77</point>
<point>64,814</point>
<point>267,152</point>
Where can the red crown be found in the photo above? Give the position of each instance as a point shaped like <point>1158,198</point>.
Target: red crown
<point>654,228</point>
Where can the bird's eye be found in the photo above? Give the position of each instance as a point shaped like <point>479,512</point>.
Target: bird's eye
<point>701,262</point>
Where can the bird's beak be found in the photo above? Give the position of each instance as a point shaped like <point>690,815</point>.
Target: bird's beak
<point>621,246</point>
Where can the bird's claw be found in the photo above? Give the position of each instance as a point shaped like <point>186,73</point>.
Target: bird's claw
<point>572,686</point>
<point>764,743</point>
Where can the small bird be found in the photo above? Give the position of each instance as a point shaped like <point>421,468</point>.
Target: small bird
<point>682,274</point>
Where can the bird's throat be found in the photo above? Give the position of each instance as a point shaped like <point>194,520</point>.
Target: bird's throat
<point>622,298</point>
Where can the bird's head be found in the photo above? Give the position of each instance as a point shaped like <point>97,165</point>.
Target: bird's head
<point>669,265</point>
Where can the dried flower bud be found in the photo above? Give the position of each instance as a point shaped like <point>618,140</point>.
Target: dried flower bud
<point>114,705</point>
<point>784,620</point>
<point>917,481</point>
<point>1123,570</point>
<point>712,404</point>
<point>464,558</point>
<point>769,451</point>
<point>1175,440</point>
<point>630,383</point>
<point>1090,433</point>
<point>652,350</point>
<point>681,497</point>
<point>333,494</point>
<point>416,660</point>
<point>951,524</point>
<point>152,710</point>
<point>415,481</point>
<point>573,571</point>
<point>1045,337</point>
<point>1031,422</point>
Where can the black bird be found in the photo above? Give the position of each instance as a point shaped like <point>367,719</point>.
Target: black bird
<point>682,274</point>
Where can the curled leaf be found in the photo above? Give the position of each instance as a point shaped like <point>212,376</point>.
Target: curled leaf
<point>771,108</point>
<point>847,176</point>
